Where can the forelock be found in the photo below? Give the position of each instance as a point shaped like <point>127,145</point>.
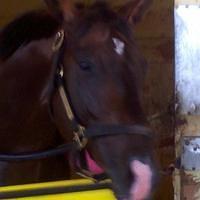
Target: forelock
<point>100,13</point>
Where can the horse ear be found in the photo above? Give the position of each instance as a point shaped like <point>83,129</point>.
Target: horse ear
<point>62,9</point>
<point>133,10</point>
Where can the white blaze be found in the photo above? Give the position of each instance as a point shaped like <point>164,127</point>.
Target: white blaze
<point>119,46</point>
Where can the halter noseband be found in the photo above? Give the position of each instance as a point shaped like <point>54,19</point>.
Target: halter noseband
<point>81,134</point>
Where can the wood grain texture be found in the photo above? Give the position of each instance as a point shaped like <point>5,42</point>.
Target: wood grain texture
<point>155,37</point>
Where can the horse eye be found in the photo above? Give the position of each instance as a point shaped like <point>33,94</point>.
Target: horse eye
<point>85,65</point>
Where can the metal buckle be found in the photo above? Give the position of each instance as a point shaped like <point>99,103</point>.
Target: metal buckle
<point>80,139</point>
<point>77,140</point>
<point>59,38</point>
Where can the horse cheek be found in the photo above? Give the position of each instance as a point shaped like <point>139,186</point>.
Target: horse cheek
<point>142,186</point>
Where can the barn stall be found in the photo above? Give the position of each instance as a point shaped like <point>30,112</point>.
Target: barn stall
<point>155,36</point>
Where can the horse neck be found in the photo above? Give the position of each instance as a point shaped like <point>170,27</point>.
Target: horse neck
<point>23,80</point>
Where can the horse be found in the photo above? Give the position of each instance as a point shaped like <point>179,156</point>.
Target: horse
<point>100,70</point>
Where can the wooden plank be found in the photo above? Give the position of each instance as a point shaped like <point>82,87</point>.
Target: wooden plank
<point>190,185</point>
<point>155,38</point>
<point>188,114</point>
<point>158,21</point>
<point>187,2</point>
<point>187,182</point>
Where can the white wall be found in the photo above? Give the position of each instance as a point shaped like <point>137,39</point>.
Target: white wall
<point>187,26</point>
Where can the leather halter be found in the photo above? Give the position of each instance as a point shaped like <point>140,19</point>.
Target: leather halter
<point>81,134</point>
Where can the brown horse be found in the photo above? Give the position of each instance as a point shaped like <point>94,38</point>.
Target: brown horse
<point>103,73</point>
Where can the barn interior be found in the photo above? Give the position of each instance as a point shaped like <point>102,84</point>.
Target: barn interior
<point>155,37</point>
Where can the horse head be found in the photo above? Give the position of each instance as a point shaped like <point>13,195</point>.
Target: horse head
<point>103,72</point>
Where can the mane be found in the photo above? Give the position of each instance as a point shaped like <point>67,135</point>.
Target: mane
<point>34,25</point>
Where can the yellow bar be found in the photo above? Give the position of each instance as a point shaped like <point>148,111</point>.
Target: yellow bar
<point>44,185</point>
<point>104,194</point>
<point>98,194</point>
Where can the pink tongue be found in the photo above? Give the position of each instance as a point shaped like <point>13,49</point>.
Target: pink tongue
<point>92,165</point>
<point>141,187</point>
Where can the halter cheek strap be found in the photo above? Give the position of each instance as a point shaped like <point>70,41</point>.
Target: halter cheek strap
<point>77,129</point>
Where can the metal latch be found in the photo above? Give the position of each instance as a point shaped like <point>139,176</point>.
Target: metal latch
<point>190,158</point>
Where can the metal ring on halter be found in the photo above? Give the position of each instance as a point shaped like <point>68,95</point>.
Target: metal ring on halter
<point>59,38</point>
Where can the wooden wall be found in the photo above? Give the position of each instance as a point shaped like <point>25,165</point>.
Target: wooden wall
<point>155,37</point>
<point>187,185</point>
<point>11,8</point>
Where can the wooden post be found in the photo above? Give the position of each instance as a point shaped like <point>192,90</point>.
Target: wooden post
<point>187,178</point>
